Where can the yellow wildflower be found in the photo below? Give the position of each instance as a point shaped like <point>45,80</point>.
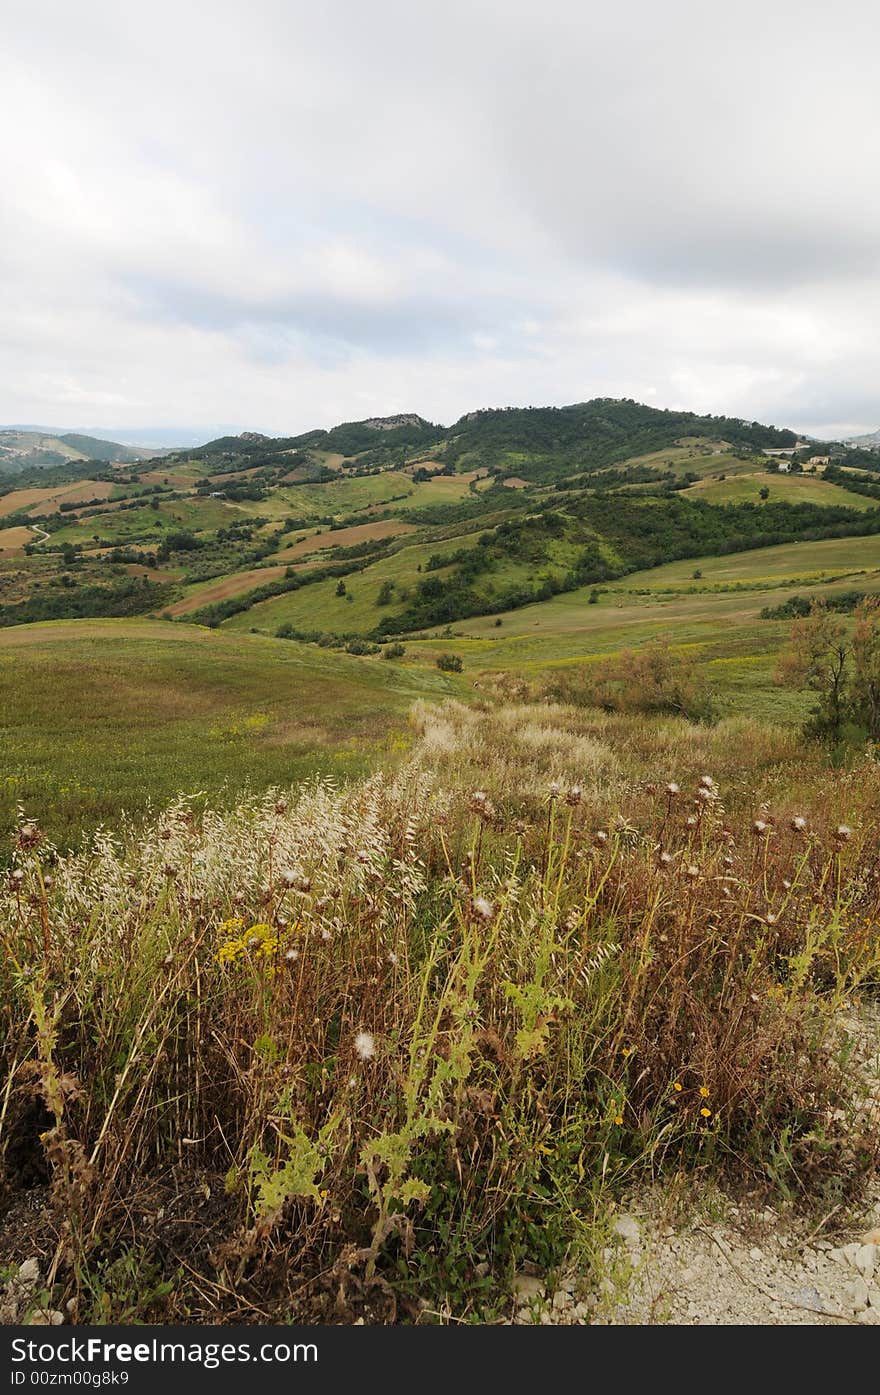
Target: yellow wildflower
<point>704,1092</point>
<point>706,1113</point>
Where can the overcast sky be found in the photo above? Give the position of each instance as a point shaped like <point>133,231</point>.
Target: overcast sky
<point>278,215</point>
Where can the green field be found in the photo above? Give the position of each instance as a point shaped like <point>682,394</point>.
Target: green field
<point>103,716</point>
<point>791,489</point>
<point>318,607</point>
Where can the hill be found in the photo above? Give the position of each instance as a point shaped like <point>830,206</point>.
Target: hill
<point>397,530</point>
<point>25,450</point>
<point>871,440</point>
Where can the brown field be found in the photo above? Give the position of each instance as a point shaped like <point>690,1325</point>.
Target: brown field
<point>223,588</point>
<point>46,500</point>
<point>14,539</point>
<point>346,537</point>
<point>516,483</point>
<point>226,586</point>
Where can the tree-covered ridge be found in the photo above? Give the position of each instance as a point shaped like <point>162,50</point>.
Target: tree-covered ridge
<point>604,431</point>
<point>540,441</point>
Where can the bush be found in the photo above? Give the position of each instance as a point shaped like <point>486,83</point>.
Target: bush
<point>653,679</point>
<point>449,663</point>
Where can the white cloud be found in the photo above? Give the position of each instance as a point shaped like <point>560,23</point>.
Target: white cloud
<point>293,214</point>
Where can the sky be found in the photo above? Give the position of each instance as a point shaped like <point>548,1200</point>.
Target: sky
<point>283,215</point>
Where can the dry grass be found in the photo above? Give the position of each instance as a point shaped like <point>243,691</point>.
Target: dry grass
<point>424,1027</point>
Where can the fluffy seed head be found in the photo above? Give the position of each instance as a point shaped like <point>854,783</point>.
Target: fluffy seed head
<point>365,1045</point>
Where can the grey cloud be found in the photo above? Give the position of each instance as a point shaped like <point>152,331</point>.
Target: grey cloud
<point>468,202</point>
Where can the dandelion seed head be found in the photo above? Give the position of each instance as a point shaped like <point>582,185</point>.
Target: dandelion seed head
<point>672,789</point>
<point>365,1045</point>
<point>483,908</point>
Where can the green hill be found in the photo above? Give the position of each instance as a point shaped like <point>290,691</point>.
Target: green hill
<point>26,450</point>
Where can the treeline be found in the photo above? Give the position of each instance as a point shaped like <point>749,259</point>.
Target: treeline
<point>856,484</point>
<point>615,537</point>
<point>132,597</point>
<point>796,607</point>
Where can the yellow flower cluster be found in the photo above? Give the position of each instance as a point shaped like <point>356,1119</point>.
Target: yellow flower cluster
<point>257,941</point>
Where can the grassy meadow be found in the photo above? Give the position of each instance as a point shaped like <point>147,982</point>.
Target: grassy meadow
<point>338,986</point>
<point>103,718</point>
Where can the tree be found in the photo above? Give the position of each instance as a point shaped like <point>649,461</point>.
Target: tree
<point>340,587</point>
<point>819,659</point>
<point>865,688</point>
<point>764,492</point>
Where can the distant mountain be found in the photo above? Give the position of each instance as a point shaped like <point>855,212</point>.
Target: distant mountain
<point>28,450</point>
<point>871,441</point>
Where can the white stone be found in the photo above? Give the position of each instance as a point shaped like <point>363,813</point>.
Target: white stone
<point>627,1228</point>
<point>856,1295</point>
<point>527,1286</point>
<point>756,1253</point>
<point>866,1260</point>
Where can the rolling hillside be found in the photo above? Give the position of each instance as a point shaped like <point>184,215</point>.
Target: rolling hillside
<point>526,538</point>
<point>28,450</point>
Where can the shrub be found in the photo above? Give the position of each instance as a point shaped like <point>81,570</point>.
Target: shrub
<point>449,663</point>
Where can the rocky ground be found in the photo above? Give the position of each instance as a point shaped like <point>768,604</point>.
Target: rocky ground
<point>716,1262</point>
<point>737,1267</point>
